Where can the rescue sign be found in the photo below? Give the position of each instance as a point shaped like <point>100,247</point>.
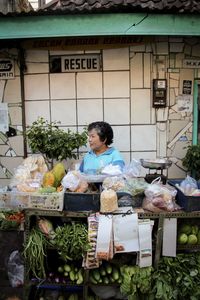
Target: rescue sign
<point>81,63</point>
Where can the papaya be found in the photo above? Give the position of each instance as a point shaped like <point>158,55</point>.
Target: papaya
<point>58,172</point>
<point>48,179</point>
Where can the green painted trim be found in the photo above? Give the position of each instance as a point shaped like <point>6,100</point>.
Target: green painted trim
<point>195,115</point>
<point>98,25</point>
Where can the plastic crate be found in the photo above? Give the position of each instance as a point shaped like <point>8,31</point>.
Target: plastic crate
<point>81,201</point>
<point>13,200</point>
<point>187,203</point>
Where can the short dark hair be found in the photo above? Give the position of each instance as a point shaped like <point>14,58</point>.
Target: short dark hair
<point>104,131</point>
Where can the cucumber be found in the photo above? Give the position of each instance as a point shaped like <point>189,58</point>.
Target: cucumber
<point>92,280</point>
<point>96,275</point>
<point>73,297</point>
<point>106,280</point>
<point>72,275</point>
<point>115,273</point>
<point>108,269</point>
<point>120,279</point>
<point>102,271</point>
<point>67,268</point>
<point>80,277</point>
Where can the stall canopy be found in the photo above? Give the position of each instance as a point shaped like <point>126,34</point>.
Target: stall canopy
<point>67,18</point>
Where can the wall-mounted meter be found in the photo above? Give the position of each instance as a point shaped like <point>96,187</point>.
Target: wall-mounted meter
<point>159,93</point>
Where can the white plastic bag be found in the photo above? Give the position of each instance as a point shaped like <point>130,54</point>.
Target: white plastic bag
<point>15,269</point>
<point>71,181</point>
<point>133,169</point>
<point>188,185</point>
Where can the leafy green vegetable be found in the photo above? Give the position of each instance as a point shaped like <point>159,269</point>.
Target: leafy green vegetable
<point>177,278</point>
<point>71,241</point>
<point>135,281</point>
<point>53,142</point>
<point>192,160</point>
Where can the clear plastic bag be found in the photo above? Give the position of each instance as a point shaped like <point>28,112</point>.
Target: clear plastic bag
<point>160,197</point>
<point>108,201</point>
<point>15,269</point>
<point>71,181</point>
<point>134,186</point>
<point>115,183</point>
<point>133,169</point>
<point>188,185</point>
<point>104,292</point>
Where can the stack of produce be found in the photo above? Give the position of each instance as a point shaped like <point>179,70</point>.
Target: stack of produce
<point>71,241</point>
<point>33,176</point>
<point>67,273</point>
<point>106,274</point>
<point>177,278</point>
<point>52,179</point>
<point>188,234</point>
<point>135,280</point>
<point>11,219</point>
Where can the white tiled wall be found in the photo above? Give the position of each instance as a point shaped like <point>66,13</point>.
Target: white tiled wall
<point>62,86</point>
<point>35,109</point>
<point>64,111</point>
<point>140,106</point>
<point>36,87</point>
<point>116,59</point>
<point>117,111</point>
<point>143,138</point>
<point>89,85</point>
<point>89,110</point>
<point>120,94</point>
<point>116,84</point>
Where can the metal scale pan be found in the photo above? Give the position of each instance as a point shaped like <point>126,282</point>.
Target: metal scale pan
<point>158,165</point>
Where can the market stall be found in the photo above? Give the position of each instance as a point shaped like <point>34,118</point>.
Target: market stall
<point>103,236</point>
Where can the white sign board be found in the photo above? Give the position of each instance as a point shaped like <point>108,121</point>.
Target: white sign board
<point>6,68</point>
<point>185,103</point>
<point>80,63</point>
<point>191,63</point>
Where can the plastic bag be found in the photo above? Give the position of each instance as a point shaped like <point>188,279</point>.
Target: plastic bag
<point>108,201</point>
<point>15,269</point>
<point>71,181</point>
<point>160,197</point>
<point>134,186</point>
<point>112,170</point>
<point>133,169</point>
<point>188,185</point>
<point>31,170</point>
<point>105,292</point>
<point>115,183</point>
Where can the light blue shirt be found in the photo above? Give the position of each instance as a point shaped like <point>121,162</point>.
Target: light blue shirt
<point>93,164</point>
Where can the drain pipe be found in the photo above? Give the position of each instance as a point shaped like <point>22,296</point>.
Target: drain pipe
<point>22,67</point>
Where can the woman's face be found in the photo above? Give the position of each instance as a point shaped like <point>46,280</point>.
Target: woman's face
<point>95,143</point>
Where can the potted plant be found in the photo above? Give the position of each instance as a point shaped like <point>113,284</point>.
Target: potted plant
<point>52,142</point>
<point>191,161</point>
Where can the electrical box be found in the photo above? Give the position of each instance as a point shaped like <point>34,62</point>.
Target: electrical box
<point>159,93</point>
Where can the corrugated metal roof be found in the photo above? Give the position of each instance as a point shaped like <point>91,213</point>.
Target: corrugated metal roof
<point>17,6</point>
<point>95,6</point>
<point>23,7</point>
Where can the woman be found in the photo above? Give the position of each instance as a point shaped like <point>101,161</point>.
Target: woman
<point>100,137</point>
